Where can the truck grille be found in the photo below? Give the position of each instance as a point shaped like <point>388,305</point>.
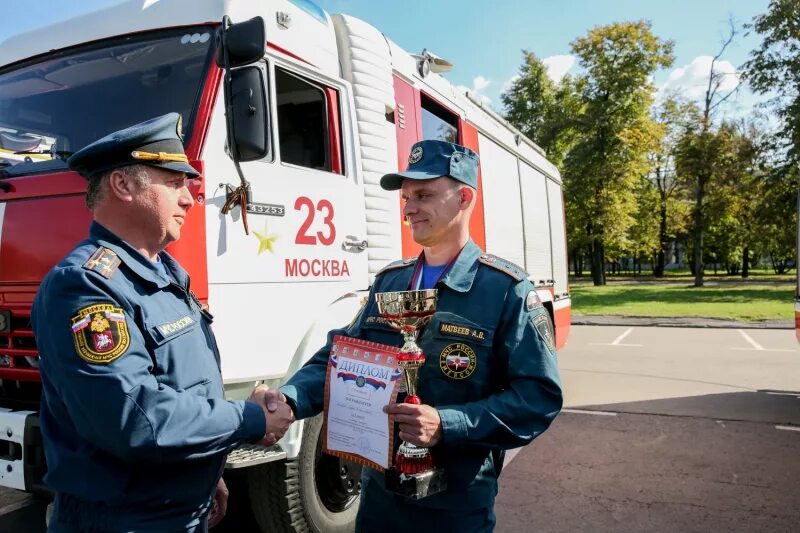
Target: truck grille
<point>19,359</point>
<point>20,384</point>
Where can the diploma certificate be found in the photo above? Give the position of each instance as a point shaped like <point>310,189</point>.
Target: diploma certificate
<point>362,378</point>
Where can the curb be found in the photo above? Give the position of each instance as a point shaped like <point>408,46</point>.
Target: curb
<point>677,322</point>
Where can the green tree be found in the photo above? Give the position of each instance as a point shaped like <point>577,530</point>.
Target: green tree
<point>542,109</point>
<point>672,117</point>
<point>643,234</point>
<point>777,219</point>
<point>727,159</point>
<point>774,68</point>
<point>615,132</point>
<point>699,159</point>
<point>754,169</point>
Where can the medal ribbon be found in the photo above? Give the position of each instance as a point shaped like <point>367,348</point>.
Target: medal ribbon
<point>416,279</point>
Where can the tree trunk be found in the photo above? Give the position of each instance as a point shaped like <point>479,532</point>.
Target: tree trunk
<point>746,262</point>
<point>697,259</point>
<point>598,262</point>
<point>663,241</point>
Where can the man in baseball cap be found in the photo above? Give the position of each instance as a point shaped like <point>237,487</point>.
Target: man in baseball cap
<point>490,379</point>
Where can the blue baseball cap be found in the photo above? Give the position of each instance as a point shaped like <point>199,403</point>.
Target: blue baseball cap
<point>433,159</point>
<point>157,142</point>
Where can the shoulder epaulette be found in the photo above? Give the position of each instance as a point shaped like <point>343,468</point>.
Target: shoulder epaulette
<point>504,266</point>
<point>401,263</point>
<point>103,261</point>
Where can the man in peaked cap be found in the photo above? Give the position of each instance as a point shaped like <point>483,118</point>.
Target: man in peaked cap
<point>490,380</point>
<point>133,415</point>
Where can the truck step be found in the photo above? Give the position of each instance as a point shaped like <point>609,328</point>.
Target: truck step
<point>253,454</point>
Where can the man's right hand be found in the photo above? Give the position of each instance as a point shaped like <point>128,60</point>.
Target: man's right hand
<point>277,412</point>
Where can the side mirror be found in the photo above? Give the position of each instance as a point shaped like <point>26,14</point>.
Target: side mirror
<point>249,114</point>
<point>246,42</point>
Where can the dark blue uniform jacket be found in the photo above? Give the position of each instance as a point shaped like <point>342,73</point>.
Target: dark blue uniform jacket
<point>490,371</point>
<point>135,424</point>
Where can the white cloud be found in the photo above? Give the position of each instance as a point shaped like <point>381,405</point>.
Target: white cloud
<point>558,66</point>
<point>691,81</point>
<point>479,84</point>
<point>508,83</point>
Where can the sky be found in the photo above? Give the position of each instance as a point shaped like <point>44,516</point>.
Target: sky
<point>484,39</point>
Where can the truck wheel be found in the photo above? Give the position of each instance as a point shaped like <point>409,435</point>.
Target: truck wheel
<point>316,492</point>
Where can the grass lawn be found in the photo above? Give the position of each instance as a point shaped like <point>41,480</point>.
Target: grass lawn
<point>736,301</point>
<point>756,274</point>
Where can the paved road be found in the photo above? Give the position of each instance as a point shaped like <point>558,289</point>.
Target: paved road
<point>665,429</point>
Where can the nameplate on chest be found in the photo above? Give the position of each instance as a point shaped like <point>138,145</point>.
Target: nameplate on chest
<point>462,331</point>
<point>375,319</point>
<point>170,329</point>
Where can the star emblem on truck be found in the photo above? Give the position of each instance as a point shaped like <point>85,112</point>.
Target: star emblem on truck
<point>266,240</point>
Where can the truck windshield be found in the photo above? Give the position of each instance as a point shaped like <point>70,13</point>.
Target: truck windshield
<point>58,104</point>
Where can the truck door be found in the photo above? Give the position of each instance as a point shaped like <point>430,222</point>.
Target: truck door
<point>307,244</point>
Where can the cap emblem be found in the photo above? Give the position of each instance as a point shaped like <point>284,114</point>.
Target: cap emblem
<point>160,156</point>
<point>416,155</point>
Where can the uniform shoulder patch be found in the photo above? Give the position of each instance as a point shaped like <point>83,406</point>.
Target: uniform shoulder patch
<point>100,333</point>
<point>504,266</point>
<point>544,327</point>
<point>397,264</point>
<point>103,261</point>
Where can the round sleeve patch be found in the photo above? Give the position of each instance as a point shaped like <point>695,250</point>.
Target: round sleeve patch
<point>532,301</point>
<point>100,333</point>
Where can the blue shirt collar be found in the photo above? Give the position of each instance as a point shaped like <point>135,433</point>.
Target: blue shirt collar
<point>462,273</point>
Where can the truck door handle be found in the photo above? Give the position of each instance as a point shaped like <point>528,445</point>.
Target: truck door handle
<point>353,244</point>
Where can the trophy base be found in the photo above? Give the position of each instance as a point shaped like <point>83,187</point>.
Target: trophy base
<point>416,486</point>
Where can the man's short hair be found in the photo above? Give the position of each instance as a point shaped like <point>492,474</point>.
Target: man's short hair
<point>96,191</point>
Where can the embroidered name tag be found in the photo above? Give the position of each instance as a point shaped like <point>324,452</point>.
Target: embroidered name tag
<point>462,331</point>
<point>377,319</point>
<point>171,328</point>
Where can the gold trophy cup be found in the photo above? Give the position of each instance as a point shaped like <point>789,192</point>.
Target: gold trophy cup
<point>413,475</point>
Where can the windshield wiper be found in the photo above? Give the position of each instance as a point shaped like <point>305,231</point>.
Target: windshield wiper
<point>61,154</point>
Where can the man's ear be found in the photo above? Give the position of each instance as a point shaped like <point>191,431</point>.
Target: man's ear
<point>467,196</point>
<point>121,185</point>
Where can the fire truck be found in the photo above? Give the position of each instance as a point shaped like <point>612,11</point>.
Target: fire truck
<point>292,115</point>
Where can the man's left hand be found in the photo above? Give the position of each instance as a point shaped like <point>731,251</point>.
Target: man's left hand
<point>419,424</point>
<point>220,504</point>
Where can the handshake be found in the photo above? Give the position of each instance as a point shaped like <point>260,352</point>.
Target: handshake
<point>277,412</point>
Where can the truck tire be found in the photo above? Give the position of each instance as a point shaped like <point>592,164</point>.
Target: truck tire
<point>315,493</point>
